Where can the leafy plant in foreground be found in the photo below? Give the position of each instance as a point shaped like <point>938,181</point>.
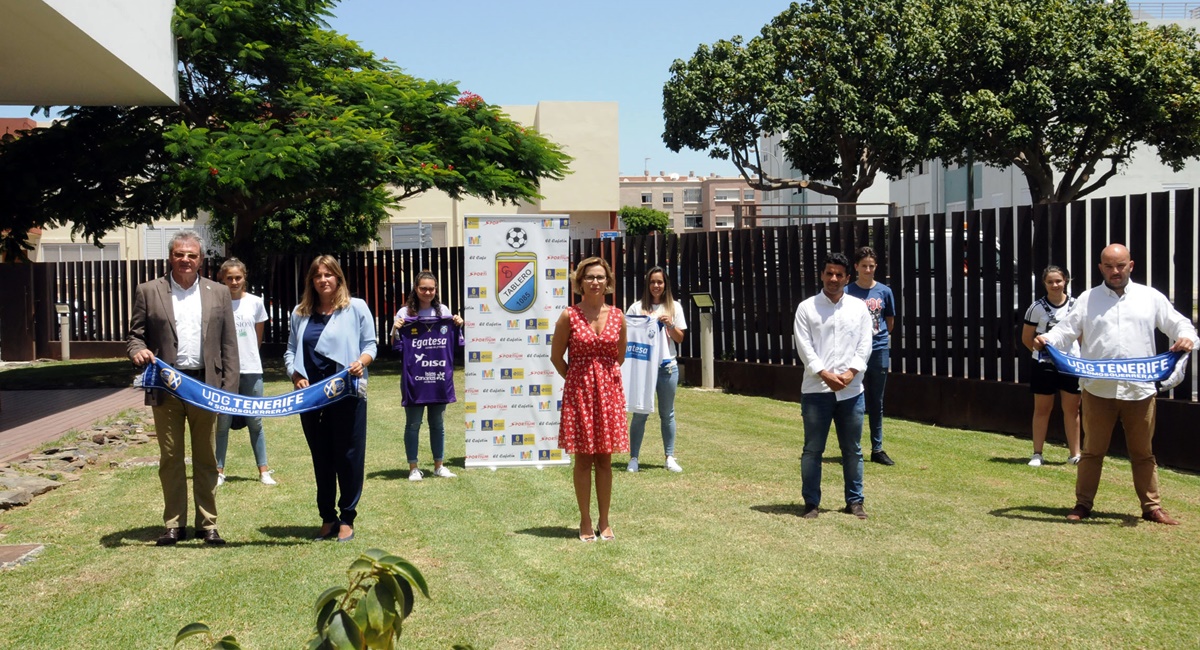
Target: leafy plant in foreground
<point>368,614</point>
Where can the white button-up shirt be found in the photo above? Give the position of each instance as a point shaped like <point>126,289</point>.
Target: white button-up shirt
<point>1119,327</point>
<point>188,322</point>
<point>834,336</point>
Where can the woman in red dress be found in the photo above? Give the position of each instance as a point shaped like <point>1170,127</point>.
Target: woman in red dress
<point>592,426</point>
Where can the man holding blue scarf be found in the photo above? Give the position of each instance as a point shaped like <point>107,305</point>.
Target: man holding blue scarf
<point>1117,321</point>
<point>187,322</point>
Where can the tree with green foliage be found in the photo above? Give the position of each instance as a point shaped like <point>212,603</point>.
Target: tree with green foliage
<point>291,135</point>
<point>1065,90</point>
<point>643,221</point>
<point>845,80</point>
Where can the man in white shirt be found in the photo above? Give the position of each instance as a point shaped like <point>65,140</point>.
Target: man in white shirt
<point>1116,320</point>
<point>187,322</point>
<point>833,334</point>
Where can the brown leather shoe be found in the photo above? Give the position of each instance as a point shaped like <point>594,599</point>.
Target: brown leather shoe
<point>1079,513</point>
<point>810,511</point>
<point>211,536</point>
<point>1159,516</point>
<point>170,536</point>
<point>856,509</point>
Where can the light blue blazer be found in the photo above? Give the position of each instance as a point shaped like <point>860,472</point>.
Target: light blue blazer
<point>349,333</point>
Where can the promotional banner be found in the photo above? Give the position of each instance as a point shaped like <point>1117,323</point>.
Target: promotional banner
<point>427,347</point>
<point>516,271</point>
<point>160,376</point>
<point>1157,368</point>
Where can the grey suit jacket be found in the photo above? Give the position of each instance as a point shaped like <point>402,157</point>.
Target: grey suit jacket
<point>152,326</point>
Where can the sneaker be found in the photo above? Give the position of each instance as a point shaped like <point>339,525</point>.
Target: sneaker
<point>443,472</point>
<point>882,458</point>
<point>633,464</point>
<point>265,478</point>
<point>810,511</point>
<point>1074,460</point>
<point>1036,461</point>
<point>672,465</point>
<point>415,474</point>
<point>220,479</point>
<point>855,509</point>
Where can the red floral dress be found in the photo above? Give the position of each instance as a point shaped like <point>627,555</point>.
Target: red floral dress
<point>593,405</point>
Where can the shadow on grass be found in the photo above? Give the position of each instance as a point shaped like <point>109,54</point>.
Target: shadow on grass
<point>1049,515</point>
<point>390,474</point>
<point>1023,461</point>
<point>145,536</point>
<point>550,531</point>
<point>794,509</point>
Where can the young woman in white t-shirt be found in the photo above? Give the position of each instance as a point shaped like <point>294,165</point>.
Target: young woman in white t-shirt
<point>1045,381</point>
<point>249,314</point>
<point>658,302</point>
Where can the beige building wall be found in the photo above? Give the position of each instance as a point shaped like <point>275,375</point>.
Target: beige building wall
<point>586,131</point>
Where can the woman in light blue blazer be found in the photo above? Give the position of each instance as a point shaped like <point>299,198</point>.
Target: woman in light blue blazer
<point>330,331</point>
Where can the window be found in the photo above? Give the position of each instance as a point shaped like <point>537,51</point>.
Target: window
<point>668,198</point>
<point>693,220</point>
<point>80,253</point>
<point>647,198</point>
<point>155,240</point>
<point>691,196</point>
<point>724,222</point>
<point>747,195</point>
<point>726,195</point>
<point>406,236</point>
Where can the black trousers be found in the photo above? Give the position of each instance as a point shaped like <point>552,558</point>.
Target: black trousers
<point>337,439</point>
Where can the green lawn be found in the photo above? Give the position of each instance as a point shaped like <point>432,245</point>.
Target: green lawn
<point>965,547</point>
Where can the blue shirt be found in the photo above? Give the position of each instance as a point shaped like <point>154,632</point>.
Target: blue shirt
<point>882,306</point>
<point>319,366</point>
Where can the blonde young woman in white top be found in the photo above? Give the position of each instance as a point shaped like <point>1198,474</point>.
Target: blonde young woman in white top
<point>658,302</point>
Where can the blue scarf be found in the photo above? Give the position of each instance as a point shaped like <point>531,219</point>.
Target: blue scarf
<point>159,375</point>
<point>1149,369</point>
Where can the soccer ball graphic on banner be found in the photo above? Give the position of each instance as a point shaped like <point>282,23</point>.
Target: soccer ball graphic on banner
<point>516,237</point>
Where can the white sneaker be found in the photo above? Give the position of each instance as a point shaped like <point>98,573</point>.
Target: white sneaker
<point>220,479</point>
<point>633,464</point>
<point>672,465</point>
<point>415,475</point>
<point>1036,461</point>
<point>444,472</point>
<point>265,478</point>
<point>1074,460</point>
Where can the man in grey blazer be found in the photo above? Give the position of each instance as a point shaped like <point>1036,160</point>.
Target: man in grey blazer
<point>187,322</point>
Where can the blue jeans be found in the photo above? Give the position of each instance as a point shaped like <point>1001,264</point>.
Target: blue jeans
<point>437,430</point>
<point>819,410</point>
<point>250,385</point>
<point>874,380</point>
<point>668,382</point>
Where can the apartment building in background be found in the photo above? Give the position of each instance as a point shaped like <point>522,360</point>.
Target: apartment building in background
<point>694,203</point>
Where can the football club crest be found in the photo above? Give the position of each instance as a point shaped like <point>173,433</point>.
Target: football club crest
<point>171,378</point>
<point>334,388</point>
<point>516,280</point>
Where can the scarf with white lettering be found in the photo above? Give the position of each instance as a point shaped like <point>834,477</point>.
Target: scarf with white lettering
<point>160,376</point>
<point>1165,369</point>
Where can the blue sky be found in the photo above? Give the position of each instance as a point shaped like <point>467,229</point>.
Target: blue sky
<point>525,51</point>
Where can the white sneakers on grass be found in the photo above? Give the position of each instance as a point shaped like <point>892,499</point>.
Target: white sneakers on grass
<point>265,478</point>
<point>672,465</point>
<point>1074,460</point>
<point>633,464</point>
<point>444,472</point>
<point>220,479</point>
<point>415,474</point>
<point>1036,461</point>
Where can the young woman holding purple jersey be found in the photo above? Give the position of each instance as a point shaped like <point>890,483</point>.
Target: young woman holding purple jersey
<point>423,304</point>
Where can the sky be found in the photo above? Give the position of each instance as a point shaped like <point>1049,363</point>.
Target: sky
<point>515,52</point>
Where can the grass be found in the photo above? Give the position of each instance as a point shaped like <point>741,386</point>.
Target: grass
<point>965,547</point>
<point>76,373</point>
